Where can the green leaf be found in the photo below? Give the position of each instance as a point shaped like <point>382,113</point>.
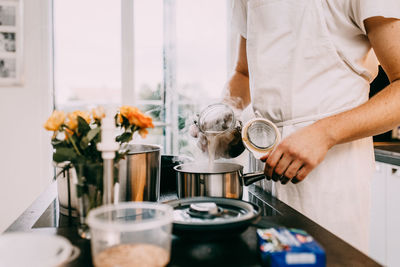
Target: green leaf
<point>96,139</point>
<point>64,154</point>
<point>74,141</point>
<point>83,126</point>
<point>84,143</point>
<point>116,121</point>
<point>56,142</point>
<point>93,133</point>
<point>125,122</point>
<point>125,137</point>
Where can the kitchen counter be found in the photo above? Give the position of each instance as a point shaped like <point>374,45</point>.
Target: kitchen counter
<point>240,250</point>
<point>388,152</point>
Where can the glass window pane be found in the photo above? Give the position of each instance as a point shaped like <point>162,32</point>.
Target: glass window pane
<point>201,47</point>
<point>180,63</point>
<point>201,67</point>
<point>148,65</point>
<point>180,60</point>
<point>87,46</point>
<point>148,49</point>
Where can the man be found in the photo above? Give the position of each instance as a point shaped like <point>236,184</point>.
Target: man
<point>306,65</point>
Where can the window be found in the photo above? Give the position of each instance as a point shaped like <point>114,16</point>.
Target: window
<point>87,53</point>
<point>180,60</point>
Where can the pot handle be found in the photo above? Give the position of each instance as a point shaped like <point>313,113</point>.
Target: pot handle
<point>252,177</point>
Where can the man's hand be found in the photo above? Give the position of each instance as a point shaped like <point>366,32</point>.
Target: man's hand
<point>298,154</point>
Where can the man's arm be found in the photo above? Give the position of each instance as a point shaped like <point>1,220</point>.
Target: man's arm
<point>237,91</point>
<point>382,112</point>
<point>298,154</point>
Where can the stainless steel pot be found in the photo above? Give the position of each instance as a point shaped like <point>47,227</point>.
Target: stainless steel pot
<point>139,174</point>
<point>218,180</point>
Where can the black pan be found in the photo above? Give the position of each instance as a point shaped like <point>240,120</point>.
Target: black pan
<point>234,217</point>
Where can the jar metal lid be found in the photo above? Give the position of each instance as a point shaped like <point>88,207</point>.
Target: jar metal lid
<point>260,136</point>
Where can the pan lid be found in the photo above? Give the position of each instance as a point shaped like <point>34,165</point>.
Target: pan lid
<point>212,213</point>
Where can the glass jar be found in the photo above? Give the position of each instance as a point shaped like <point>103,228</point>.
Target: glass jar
<point>221,130</point>
<point>89,191</point>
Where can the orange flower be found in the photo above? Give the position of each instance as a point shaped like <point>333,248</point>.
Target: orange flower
<point>72,122</point>
<point>135,117</point>
<point>143,133</point>
<point>56,119</point>
<point>125,111</point>
<point>141,120</point>
<point>98,113</point>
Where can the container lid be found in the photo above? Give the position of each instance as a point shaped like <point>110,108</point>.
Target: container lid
<point>130,216</point>
<point>260,135</point>
<point>212,213</point>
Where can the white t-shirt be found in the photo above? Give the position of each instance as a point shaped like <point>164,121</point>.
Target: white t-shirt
<point>345,21</point>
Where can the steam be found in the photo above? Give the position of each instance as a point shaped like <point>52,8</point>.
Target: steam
<point>182,159</point>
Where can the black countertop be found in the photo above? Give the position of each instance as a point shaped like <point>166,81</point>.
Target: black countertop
<point>240,250</point>
<point>388,153</point>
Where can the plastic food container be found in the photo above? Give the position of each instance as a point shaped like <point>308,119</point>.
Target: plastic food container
<point>131,234</point>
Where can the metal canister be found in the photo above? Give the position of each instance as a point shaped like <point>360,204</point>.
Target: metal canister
<point>139,174</point>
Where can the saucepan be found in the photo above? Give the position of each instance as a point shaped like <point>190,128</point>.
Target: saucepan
<point>219,179</point>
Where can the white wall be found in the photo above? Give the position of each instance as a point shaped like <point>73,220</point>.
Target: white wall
<point>25,158</point>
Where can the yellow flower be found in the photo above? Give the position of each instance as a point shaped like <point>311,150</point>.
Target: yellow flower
<point>98,113</point>
<point>135,117</point>
<point>56,119</point>
<point>72,122</point>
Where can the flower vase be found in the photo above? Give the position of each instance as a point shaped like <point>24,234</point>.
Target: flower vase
<point>89,190</point>
<point>66,188</point>
<point>75,139</point>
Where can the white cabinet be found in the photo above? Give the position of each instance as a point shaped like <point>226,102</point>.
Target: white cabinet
<point>377,249</point>
<point>385,215</point>
<point>393,216</point>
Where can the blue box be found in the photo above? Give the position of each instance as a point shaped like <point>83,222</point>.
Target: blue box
<point>289,247</point>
